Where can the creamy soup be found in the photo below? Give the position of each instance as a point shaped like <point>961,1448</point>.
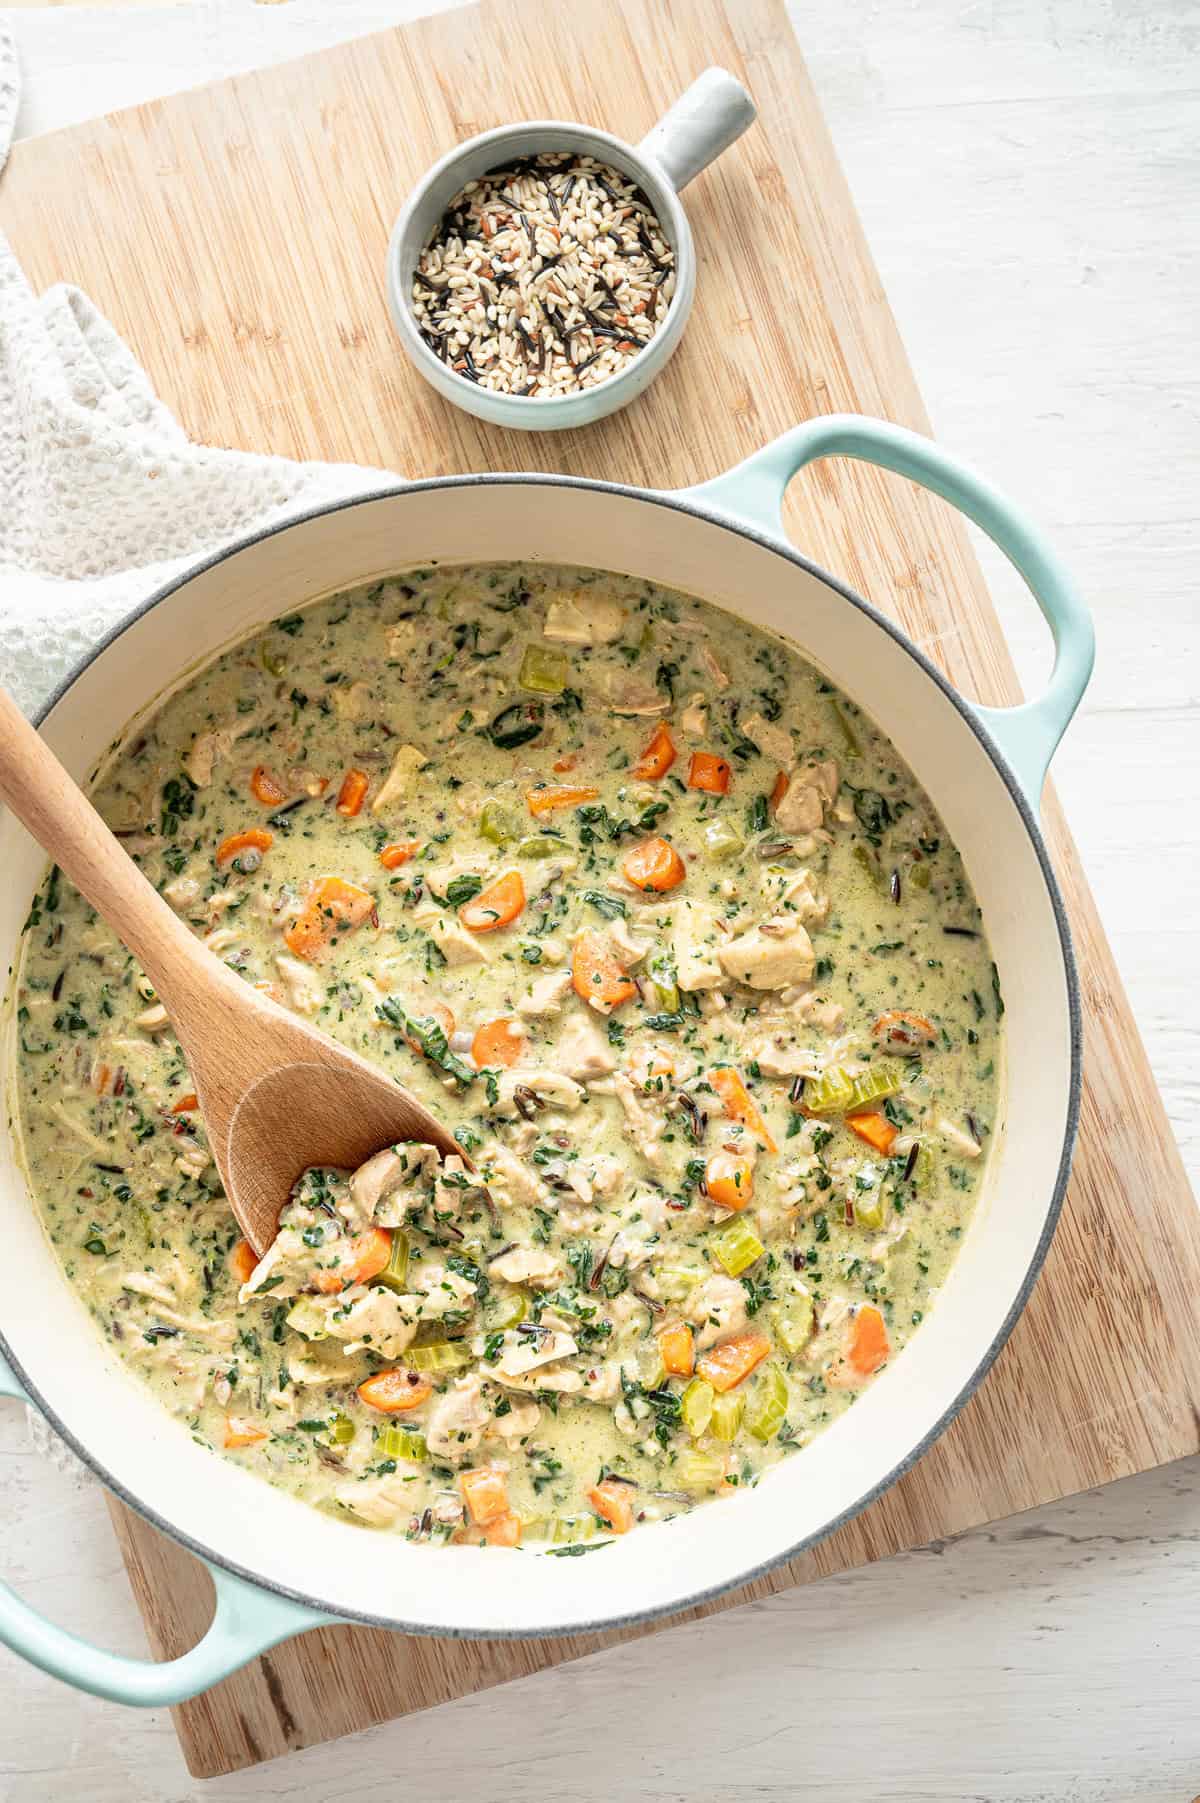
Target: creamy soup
<point>659,922</point>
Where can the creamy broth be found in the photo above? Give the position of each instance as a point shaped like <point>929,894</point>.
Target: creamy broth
<point>664,928</point>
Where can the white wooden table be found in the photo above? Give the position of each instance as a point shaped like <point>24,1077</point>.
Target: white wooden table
<point>1029,176</point>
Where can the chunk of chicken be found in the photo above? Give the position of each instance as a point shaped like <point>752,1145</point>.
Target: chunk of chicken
<point>374,1318</point>
<point>771,955</point>
<point>694,719</point>
<point>577,617</point>
<point>717,1308</point>
<point>527,1349</point>
<point>643,1126</point>
<point>582,1052</point>
<point>379,1501</point>
<point>773,741</point>
<point>550,1087</point>
<point>510,1179</point>
<point>208,749</point>
<point>375,1186</point>
<point>695,937</point>
<point>303,989</point>
<point>546,995</point>
<point>183,893</point>
<point>516,1423</point>
<point>397,784</point>
<point>777,1055</point>
<point>800,809</point>
<point>456,944</point>
<point>958,1140</point>
<point>457,1420</point>
<point>528,1265</point>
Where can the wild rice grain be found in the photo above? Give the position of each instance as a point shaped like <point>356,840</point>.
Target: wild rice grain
<point>587,272</point>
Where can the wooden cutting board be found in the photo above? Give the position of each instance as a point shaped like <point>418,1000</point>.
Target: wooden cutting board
<point>236,237</point>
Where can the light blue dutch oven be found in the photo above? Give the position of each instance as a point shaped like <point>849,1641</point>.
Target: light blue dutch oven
<point>280,1567</point>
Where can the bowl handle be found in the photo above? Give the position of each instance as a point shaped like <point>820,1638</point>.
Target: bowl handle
<point>753,493</point>
<point>246,1621</point>
<point>706,119</point>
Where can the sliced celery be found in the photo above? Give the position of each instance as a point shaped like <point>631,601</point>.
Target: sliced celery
<point>540,845</point>
<point>722,839</point>
<point>498,823</point>
<point>507,1310</point>
<point>699,1470</point>
<point>696,1407</point>
<point>726,1417</point>
<point>871,865</point>
<point>439,1355</point>
<point>870,1208</point>
<point>838,1093</point>
<point>918,876</point>
<point>394,1275</point>
<point>402,1443</point>
<point>565,1530</point>
<point>924,1172</point>
<point>738,1247</point>
<point>768,1404</point>
<point>543,670</point>
<point>849,736</point>
<point>664,982</point>
<point>342,1430</point>
<point>793,1322</point>
<point>307,1317</point>
<point>651,1371</point>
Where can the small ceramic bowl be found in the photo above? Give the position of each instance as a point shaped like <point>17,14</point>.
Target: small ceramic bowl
<point>704,121</point>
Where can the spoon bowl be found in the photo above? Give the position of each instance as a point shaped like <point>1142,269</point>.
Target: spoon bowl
<point>276,1095</point>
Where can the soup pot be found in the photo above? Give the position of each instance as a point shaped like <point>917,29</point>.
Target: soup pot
<point>279,1565</point>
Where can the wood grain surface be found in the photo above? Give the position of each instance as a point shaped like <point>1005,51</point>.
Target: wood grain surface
<point>236,236</point>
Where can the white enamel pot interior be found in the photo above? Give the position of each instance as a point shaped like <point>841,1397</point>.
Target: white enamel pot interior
<point>235,1520</point>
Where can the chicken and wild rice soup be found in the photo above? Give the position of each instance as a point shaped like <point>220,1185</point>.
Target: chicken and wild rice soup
<point>663,927</point>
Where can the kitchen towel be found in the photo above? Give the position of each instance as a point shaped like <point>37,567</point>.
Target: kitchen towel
<point>103,499</point>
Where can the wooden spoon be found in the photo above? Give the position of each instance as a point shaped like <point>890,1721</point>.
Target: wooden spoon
<point>276,1095</point>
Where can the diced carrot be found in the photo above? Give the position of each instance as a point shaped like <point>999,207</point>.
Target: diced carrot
<point>678,1349</point>
<point>187,1104</point>
<point>499,1042</point>
<point>709,772</point>
<point>332,907</point>
<point>654,864</point>
<point>485,1492</point>
<point>399,852</point>
<point>396,1390</point>
<point>727,1364</point>
<point>239,1432</point>
<point>740,1105</point>
<point>562,795</point>
<point>364,1257</point>
<point>435,1011</point>
<point>868,1346</point>
<point>562,765</point>
<point>255,838</point>
<point>900,1031</point>
<point>353,793</point>
<point>267,788</point>
<point>504,1531</point>
<point>779,790</point>
<point>876,1129</point>
<point>242,1261</point>
<point>659,755</point>
<point>597,975</point>
<point>613,1500</point>
<point>729,1180</point>
<point>101,1078</point>
<point>498,905</point>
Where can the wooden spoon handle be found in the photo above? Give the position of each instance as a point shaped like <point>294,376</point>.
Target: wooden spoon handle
<point>55,810</point>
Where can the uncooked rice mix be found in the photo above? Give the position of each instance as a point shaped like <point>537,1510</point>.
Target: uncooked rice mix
<point>544,277</point>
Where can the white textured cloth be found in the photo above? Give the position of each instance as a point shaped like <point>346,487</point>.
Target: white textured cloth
<point>102,497</point>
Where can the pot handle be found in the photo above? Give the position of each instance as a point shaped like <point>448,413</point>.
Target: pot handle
<point>753,493</point>
<point>706,119</point>
<point>246,1621</point>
